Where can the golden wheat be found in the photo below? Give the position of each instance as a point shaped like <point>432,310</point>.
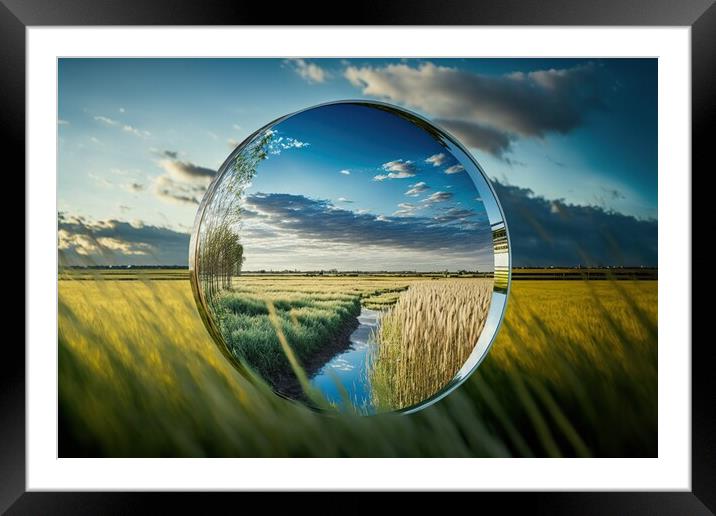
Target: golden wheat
<point>572,373</point>
<point>426,338</point>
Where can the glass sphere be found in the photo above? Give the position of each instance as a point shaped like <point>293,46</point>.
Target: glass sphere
<point>353,256</point>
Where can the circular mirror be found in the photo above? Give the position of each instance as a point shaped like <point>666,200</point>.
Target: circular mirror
<point>354,256</point>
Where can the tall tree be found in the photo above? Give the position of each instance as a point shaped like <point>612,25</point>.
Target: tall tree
<point>220,252</point>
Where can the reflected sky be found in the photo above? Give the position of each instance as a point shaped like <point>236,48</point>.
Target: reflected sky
<point>355,187</point>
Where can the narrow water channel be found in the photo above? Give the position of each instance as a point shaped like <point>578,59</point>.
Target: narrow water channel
<point>349,369</point>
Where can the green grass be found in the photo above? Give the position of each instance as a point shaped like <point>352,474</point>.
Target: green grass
<point>308,320</point>
<point>313,314</point>
<point>572,373</point>
<point>382,299</point>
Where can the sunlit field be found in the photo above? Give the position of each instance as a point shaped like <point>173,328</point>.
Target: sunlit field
<point>313,313</point>
<point>426,337</point>
<point>429,326</point>
<point>573,372</point>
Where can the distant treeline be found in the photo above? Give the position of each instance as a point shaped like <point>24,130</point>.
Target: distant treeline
<point>590,273</point>
<point>125,267</point>
<point>518,273</point>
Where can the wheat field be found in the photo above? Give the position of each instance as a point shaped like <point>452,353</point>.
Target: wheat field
<point>311,312</point>
<point>425,339</point>
<point>572,373</point>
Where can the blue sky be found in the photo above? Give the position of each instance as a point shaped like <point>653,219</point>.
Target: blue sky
<point>353,187</point>
<point>140,138</point>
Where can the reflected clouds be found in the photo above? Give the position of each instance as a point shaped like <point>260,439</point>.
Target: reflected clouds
<point>305,224</point>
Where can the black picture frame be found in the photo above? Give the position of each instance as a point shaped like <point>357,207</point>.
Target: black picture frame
<point>700,15</point>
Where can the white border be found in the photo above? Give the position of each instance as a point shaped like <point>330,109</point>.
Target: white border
<point>670,471</point>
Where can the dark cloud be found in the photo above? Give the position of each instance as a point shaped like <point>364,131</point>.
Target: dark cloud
<point>614,194</point>
<point>508,106</point>
<point>182,182</point>
<point>543,232</point>
<point>185,169</point>
<point>114,242</point>
<point>478,136</point>
<point>554,161</point>
<point>168,189</point>
<point>550,232</point>
<point>319,220</point>
<point>514,162</point>
<point>455,214</point>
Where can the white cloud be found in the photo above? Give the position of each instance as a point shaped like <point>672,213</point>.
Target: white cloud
<point>436,159</point>
<point>83,245</point>
<point>346,172</point>
<point>100,180</point>
<point>106,120</point>
<point>293,143</point>
<point>417,189</point>
<point>132,187</point>
<point>454,169</point>
<point>125,248</point>
<point>137,132</point>
<point>438,197</point>
<point>310,72</point>
<point>124,172</point>
<point>392,175</point>
<point>407,209</point>
<point>398,169</point>
<point>125,127</point>
<point>399,165</point>
<point>93,242</point>
<point>282,143</point>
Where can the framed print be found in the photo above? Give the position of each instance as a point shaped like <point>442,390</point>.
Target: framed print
<point>421,249</point>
